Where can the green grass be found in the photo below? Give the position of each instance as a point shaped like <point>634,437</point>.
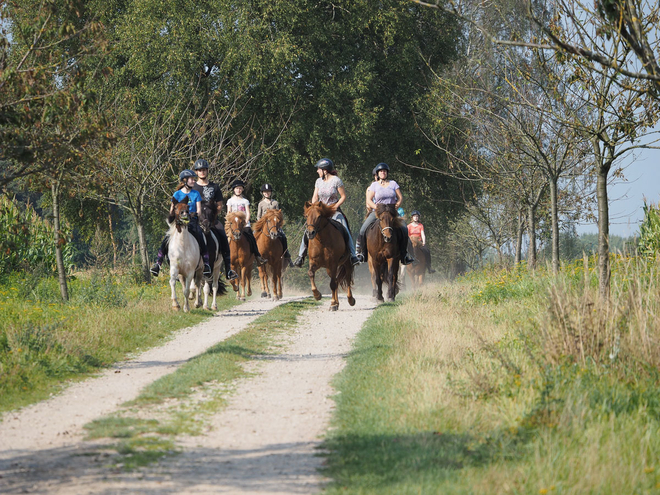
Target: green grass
<point>180,402</point>
<point>504,382</point>
<point>45,342</point>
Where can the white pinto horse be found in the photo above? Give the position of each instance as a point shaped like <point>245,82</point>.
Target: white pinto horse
<point>185,260</point>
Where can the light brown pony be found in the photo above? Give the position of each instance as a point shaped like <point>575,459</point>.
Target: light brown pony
<point>327,249</point>
<point>266,231</point>
<point>241,256</point>
<point>417,270</point>
<point>383,248</point>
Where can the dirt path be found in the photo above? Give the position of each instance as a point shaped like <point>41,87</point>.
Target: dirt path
<point>263,442</point>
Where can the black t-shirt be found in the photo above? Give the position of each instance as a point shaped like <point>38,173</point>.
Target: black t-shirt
<point>210,192</point>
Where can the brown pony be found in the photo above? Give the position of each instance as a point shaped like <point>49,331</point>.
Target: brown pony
<point>241,256</point>
<point>266,231</point>
<point>383,248</point>
<point>417,270</point>
<point>327,249</point>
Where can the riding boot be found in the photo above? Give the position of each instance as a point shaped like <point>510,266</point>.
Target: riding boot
<point>229,273</point>
<point>358,249</point>
<point>300,259</point>
<point>162,252</point>
<point>285,247</point>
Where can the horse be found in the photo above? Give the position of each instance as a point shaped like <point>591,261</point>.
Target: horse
<point>266,232</point>
<point>185,259</point>
<point>207,218</point>
<point>327,249</point>
<point>241,256</point>
<point>383,251</point>
<point>417,270</point>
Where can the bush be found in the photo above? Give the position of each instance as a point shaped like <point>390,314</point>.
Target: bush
<point>649,231</point>
<point>102,289</point>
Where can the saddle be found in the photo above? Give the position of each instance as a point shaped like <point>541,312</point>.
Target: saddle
<point>341,228</point>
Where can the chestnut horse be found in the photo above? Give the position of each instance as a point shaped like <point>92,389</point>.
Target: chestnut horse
<point>266,232</point>
<point>241,256</point>
<point>383,248</point>
<point>327,249</point>
<point>417,270</point>
<point>185,260</point>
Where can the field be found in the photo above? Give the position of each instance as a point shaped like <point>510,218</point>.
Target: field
<point>505,382</point>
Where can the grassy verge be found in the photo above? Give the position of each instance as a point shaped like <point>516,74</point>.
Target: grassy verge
<point>178,403</point>
<point>505,383</point>
<point>44,342</point>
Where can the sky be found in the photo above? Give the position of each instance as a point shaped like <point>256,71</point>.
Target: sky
<point>642,180</point>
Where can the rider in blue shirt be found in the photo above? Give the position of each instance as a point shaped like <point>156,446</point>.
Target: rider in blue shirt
<point>187,178</point>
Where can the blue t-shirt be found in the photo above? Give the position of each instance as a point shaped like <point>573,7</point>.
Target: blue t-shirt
<point>193,197</point>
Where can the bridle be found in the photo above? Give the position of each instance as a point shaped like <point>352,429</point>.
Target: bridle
<point>383,229</point>
<point>269,230</point>
<point>311,234</point>
<point>235,233</point>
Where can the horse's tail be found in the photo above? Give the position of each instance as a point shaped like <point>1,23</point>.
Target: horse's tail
<point>222,287</point>
<point>345,274</point>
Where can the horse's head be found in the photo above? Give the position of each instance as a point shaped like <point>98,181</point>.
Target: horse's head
<point>180,215</point>
<point>387,215</point>
<point>208,215</point>
<point>273,223</point>
<point>314,215</point>
<point>235,224</point>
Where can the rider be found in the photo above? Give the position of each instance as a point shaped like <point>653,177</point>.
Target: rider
<point>270,204</point>
<point>185,189</point>
<point>328,189</point>
<point>383,191</point>
<point>211,191</point>
<point>238,203</point>
<point>415,228</point>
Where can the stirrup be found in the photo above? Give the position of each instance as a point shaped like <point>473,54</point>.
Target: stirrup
<point>155,269</point>
<point>359,257</point>
<point>231,275</point>
<point>407,259</point>
<point>355,260</point>
<point>207,270</point>
<point>260,260</point>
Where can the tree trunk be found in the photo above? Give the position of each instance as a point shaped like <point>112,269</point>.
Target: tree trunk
<point>61,272</point>
<point>603,231</point>
<point>531,233</point>
<point>112,240</point>
<point>144,252</point>
<point>554,213</point>
<point>519,236</point>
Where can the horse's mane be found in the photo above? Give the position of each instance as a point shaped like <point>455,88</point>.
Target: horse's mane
<point>396,219</point>
<point>259,224</point>
<point>326,210</point>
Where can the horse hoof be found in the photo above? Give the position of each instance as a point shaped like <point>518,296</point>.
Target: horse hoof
<point>206,308</point>
<point>264,294</point>
<point>176,307</point>
<point>334,308</point>
<point>317,295</point>
<point>390,299</point>
<point>242,298</point>
<point>214,307</point>
<point>351,301</point>
<point>249,293</point>
<point>375,300</point>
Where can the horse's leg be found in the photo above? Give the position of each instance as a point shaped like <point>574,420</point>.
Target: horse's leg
<point>391,280</point>
<point>173,278</point>
<point>349,295</point>
<point>277,281</point>
<point>373,269</point>
<point>185,282</point>
<point>311,272</point>
<point>249,279</point>
<point>263,278</point>
<point>207,291</point>
<point>334,302</point>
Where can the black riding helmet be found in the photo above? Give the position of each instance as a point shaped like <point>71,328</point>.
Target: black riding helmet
<point>237,183</point>
<point>374,171</point>
<point>266,187</point>
<point>183,176</point>
<point>325,164</point>
<point>381,166</point>
<point>200,164</point>
<point>415,212</point>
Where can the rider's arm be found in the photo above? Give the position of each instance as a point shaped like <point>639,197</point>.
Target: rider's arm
<point>247,213</point>
<point>423,237</point>
<point>199,207</point>
<point>342,197</point>
<point>370,199</point>
<point>399,198</point>
<point>315,196</point>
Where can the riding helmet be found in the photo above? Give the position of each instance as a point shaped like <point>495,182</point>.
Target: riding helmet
<point>374,171</point>
<point>187,173</point>
<point>415,212</point>
<point>237,183</point>
<point>325,164</point>
<point>266,187</point>
<point>200,164</point>
<point>381,166</point>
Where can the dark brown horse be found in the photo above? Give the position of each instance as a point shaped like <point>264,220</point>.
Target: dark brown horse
<point>417,270</point>
<point>207,218</point>
<point>241,256</point>
<point>266,232</point>
<point>383,247</point>
<point>327,249</point>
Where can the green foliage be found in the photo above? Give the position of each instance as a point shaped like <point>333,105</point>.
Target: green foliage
<point>649,231</point>
<point>27,241</point>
